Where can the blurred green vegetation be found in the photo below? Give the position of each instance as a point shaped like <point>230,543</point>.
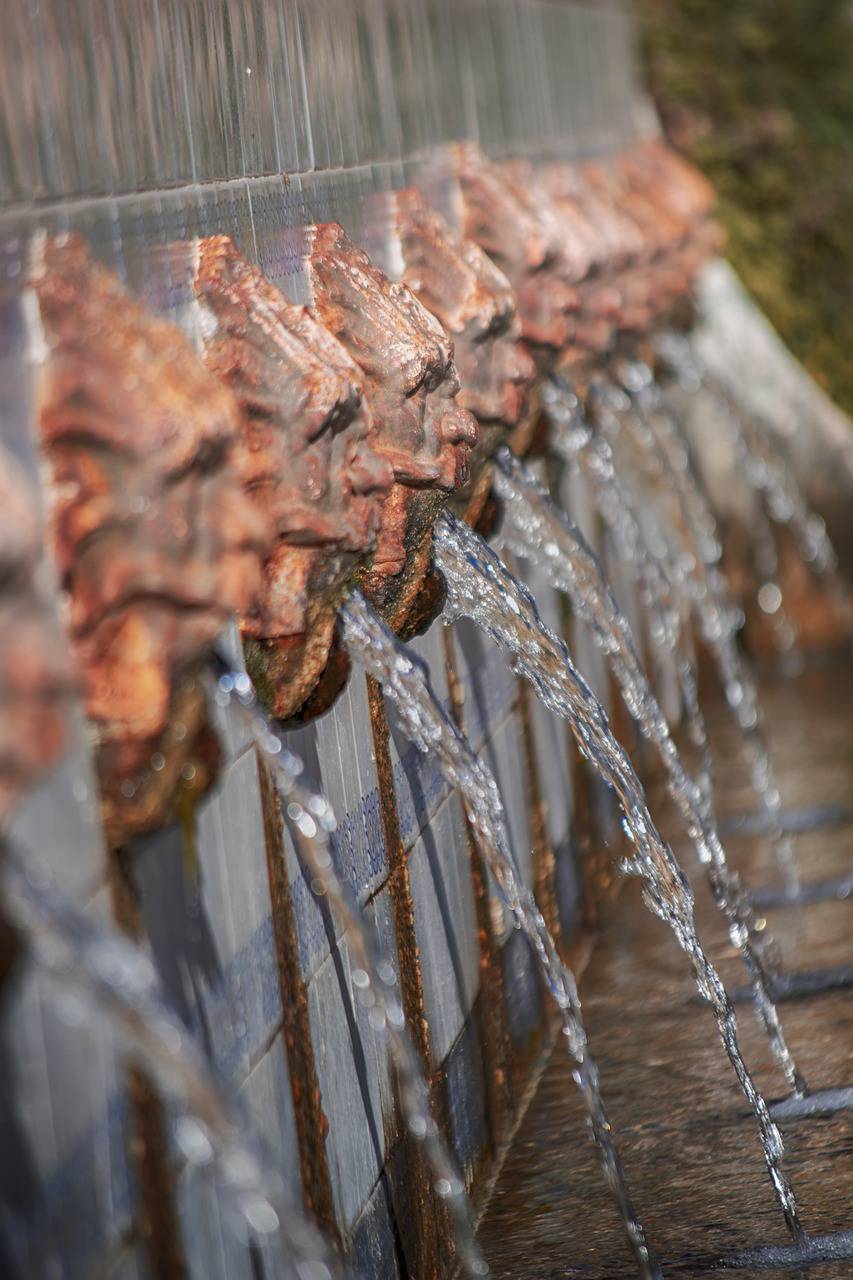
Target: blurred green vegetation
<point>759,94</point>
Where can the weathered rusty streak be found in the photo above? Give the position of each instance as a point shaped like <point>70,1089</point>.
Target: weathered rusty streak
<point>399,884</point>
<point>493,1017</point>
<point>422,1219</point>
<point>158,1220</point>
<point>311,1123</point>
<point>544,864</point>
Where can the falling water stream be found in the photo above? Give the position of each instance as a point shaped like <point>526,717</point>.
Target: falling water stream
<point>572,439</point>
<point>535,529</point>
<point>405,682</point>
<point>311,822</point>
<point>638,412</point>
<point>480,586</point>
<point>765,558</point>
<point>768,471</point>
<point>116,983</point>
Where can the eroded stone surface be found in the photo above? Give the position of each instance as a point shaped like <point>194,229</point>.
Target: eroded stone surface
<point>521,236</point>
<point>473,299</point>
<point>154,538</point>
<point>312,468</point>
<point>411,386</point>
<point>645,219</point>
<point>36,678</point>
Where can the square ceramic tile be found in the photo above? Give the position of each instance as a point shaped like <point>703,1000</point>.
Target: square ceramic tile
<point>446,925</point>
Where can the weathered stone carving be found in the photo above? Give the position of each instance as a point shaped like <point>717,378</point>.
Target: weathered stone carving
<point>668,181</point>
<point>411,386</point>
<point>36,678</point>
<point>155,540</point>
<point>523,240</point>
<point>611,242</point>
<point>312,467</point>
<point>645,219</point>
<point>473,299</point>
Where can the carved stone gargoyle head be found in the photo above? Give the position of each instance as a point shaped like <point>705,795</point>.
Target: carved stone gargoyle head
<point>36,676</point>
<point>615,288</point>
<point>523,241</point>
<point>458,283</point>
<point>654,280</point>
<point>683,198</point>
<point>411,387</point>
<point>312,467</point>
<point>154,537</point>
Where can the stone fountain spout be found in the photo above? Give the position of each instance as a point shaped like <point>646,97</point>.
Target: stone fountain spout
<point>419,427</point>
<point>462,287</point>
<point>313,469</point>
<point>154,539</point>
<point>518,233</point>
<point>645,222</point>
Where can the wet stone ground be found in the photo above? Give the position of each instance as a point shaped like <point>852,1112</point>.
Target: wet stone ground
<point>689,1144</point>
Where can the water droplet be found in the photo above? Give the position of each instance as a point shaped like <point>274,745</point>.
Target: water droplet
<point>260,1215</point>
<point>770,598</point>
<point>193,1140</point>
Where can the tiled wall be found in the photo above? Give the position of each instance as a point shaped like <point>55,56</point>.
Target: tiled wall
<point>210,930</point>
<point>70,1201</point>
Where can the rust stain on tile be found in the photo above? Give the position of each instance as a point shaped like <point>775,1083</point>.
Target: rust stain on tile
<point>544,865</point>
<point>311,1123</point>
<point>158,1220</point>
<point>421,1218</point>
<point>494,1027</point>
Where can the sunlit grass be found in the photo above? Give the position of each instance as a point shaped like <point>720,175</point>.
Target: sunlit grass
<point>760,94</point>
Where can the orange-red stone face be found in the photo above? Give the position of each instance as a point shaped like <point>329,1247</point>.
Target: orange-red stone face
<point>36,676</point>
<point>411,386</point>
<point>154,537</point>
<point>312,467</point>
<point>645,218</point>
<point>473,299</point>
<point>508,223</point>
<point>475,302</point>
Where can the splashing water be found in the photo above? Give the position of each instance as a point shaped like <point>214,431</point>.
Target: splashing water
<point>117,984</point>
<point>782,627</point>
<point>535,529</point>
<point>311,822</point>
<point>480,587</point>
<point>405,682</point>
<point>769,473</point>
<point>638,413</point>
<point>572,439</point>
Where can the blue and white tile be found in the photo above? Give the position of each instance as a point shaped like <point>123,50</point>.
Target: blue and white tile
<point>418,784</point>
<point>446,925</point>
<point>346,1056</point>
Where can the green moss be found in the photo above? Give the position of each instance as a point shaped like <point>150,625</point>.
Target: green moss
<point>256,657</point>
<point>759,93</point>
